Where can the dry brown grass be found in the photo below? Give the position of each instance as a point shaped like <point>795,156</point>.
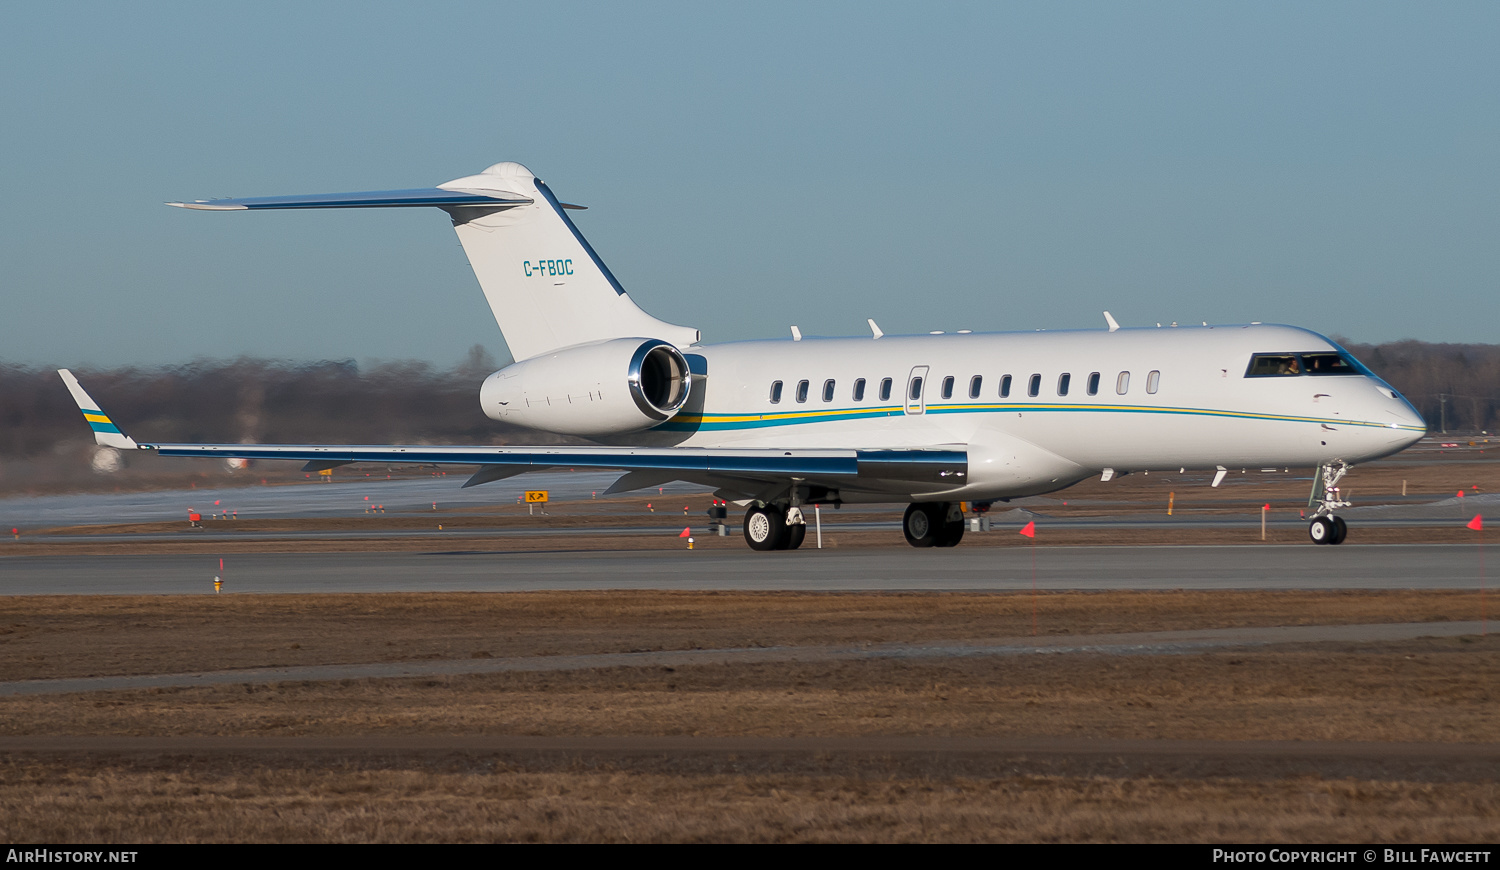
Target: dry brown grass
<point>1430,690</point>
<point>70,636</point>
<point>1419,691</point>
<point>487,801</point>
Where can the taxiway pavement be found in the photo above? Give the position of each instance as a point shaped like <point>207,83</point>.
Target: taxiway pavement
<point>1262,566</point>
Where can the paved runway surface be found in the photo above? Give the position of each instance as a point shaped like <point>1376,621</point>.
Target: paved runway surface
<point>345,498</point>
<point>1265,566</point>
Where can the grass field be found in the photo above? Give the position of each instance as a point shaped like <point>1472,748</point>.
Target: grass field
<point>1382,698</point>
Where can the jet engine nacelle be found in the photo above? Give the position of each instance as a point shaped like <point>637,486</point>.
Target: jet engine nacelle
<point>602,388</point>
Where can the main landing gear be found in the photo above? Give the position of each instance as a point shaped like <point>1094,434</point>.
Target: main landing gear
<point>1326,528</point>
<point>933,524</point>
<point>770,528</point>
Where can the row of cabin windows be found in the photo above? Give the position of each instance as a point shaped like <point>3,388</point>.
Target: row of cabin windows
<point>976,386</point>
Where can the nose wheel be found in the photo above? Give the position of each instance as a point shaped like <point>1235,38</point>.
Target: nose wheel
<point>1326,528</point>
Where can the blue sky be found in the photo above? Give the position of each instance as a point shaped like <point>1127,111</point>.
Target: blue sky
<point>748,167</point>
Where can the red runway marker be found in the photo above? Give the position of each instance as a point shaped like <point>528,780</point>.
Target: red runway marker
<point>1477,524</point>
<point>1029,530</point>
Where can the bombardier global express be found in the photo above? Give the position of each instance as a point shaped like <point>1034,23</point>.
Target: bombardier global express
<point>931,420</point>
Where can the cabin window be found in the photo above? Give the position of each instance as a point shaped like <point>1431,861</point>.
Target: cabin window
<point>775,392</point>
<point>828,390</point>
<point>948,387</point>
<point>1063,380</point>
<point>1152,381</point>
<point>802,391</point>
<point>1034,389</point>
<point>1122,383</point>
<point>1005,387</point>
<point>916,389</point>
<point>1093,383</point>
<point>885,390</point>
<point>975,384</point>
<point>859,390</point>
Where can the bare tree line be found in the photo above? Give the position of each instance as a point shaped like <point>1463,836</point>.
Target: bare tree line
<point>1454,386</point>
<point>256,400</point>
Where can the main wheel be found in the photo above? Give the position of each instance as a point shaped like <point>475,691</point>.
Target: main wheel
<point>950,532</point>
<point>765,528</point>
<point>922,524</point>
<point>794,536</point>
<point>1340,530</point>
<point>1321,530</point>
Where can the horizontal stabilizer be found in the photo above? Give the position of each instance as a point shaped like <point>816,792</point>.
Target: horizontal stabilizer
<point>434,196</point>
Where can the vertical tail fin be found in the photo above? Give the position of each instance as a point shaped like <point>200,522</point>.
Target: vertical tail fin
<point>545,285</point>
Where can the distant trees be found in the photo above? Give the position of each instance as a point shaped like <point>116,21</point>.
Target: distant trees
<point>1459,383</point>
<point>45,443</point>
<point>255,399</point>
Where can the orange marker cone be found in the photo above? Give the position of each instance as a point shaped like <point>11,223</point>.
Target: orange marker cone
<point>685,532</point>
<point>1029,530</point>
<point>1477,524</point>
<point>1460,493</point>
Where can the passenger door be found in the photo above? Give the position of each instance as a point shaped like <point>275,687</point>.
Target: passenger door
<point>916,391</point>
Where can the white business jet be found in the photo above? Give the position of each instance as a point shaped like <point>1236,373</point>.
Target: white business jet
<point>931,420</point>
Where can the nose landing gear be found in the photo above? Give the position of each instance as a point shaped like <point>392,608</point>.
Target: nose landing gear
<point>1326,528</point>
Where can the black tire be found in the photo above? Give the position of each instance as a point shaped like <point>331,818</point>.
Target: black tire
<point>952,532</point>
<point>765,528</point>
<point>795,535</point>
<point>922,524</point>
<point>1340,530</point>
<point>1321,530</point>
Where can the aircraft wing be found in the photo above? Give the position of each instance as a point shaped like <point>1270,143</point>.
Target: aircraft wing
<point>750,472</point>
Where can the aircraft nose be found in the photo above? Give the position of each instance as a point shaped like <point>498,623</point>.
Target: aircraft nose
<point>1405,419</point>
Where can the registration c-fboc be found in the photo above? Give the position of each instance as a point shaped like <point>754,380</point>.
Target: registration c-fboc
<point>547,267</point>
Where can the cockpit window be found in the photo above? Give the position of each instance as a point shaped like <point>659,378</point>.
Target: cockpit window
<point>1286,365</point>
<point>1328,364</point>
<point>1274,365</point>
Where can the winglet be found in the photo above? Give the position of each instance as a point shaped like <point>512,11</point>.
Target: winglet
<point>874,330</point>
<point>106,433</point>
<point>1109,319</point>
